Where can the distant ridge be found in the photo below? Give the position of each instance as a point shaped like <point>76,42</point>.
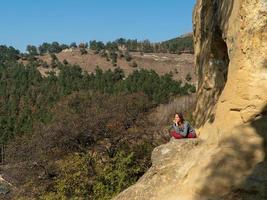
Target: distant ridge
<point>181,44</point>
<point>190,34</point>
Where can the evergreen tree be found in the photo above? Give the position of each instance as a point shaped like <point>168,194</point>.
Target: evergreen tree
<point>73,45</point>
<point>32,50</point>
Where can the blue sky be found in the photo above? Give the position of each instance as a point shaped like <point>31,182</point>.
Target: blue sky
<point>34,22</point>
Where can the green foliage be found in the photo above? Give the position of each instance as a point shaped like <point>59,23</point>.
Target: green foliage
<point>111,46</point>
<point>109,178</point>
<point>53,56</point>
<point>65,62</point>
<point>70,79</point>
<point>147,47</point>
<point>97,46</point>
<point>83,51</point>
<point>128,57</point>
<point>73,45</point>
<point>54,60</point>
<point>32,50</point>
<point>103,54</point>
<point>114,56</point>
<point>55,123</point>
<point>157,88</point>
<point>190,88</point>
<point>18,98</point>
<point>88,146</point>
<point>73,182</point>
<point>116,176</point>
<point>83,45</point>
<point>178,44</point>
<point>26,96</point>
<point>54,47</point>
<point>8,54</point>
<point>175,45</point>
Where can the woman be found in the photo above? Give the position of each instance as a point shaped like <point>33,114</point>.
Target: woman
<point>181,128</point>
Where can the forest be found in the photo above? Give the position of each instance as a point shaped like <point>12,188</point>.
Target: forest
<point>175,46</point>
<point>74,135</point>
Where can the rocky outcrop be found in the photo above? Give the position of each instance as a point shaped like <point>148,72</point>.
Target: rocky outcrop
<point>231,62</point>
<point>171,163</point>
<point>231,59</point>
<point>228,161</point>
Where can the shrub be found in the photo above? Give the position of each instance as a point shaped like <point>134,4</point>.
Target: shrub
<point>54,61</point>
<point>133,64</point>
<point>74,179</point>
<point>83,51</point>
<point>188,77</point>
<point>53,56</point>
<point>32,50</point>
<point>113,56</point>
<point>73,45</point>
<point>192,89</point>
<point>65,62</point>
<point>128,57</point>
<point>83,122</point>
<point>120,54</point>
<point>103,53</point>
<point>45,65</point>
<point>116,176</point>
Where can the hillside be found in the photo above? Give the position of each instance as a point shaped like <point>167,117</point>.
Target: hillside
<point>171,56</point>
<point>162,63</point>
<point>91,129</point>
<point>183,43</point>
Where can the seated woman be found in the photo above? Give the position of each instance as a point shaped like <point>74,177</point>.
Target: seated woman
<point>181,128</point>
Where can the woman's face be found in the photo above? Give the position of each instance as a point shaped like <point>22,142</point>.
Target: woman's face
<point>177,118</point>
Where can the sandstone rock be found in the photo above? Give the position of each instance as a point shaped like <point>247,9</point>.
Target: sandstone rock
<point>67,50</point>
<point>170,164</point>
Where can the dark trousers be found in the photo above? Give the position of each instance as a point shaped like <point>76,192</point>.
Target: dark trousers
<point>179,136</point>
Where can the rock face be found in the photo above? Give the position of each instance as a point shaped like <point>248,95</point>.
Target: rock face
<point>231,59</point>
<point>171,163</point>
<point>228,161</point>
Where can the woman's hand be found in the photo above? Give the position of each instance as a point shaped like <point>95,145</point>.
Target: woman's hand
<point>175,121</point>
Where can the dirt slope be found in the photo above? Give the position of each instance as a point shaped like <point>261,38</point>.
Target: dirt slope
<point>162,63</point>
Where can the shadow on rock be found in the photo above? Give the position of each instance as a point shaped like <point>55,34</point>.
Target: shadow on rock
<point>240,165</point>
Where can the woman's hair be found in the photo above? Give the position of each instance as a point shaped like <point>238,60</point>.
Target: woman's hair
<point>180,116</point>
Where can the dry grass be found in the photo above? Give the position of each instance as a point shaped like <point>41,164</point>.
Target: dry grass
<point>161,117</point>
<point>164,113</point>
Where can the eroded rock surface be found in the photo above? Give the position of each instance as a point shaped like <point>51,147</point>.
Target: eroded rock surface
<point>170,164</point>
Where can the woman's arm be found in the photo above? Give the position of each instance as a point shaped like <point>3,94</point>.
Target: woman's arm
<point>173,127</point>
<point>185,130</point>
